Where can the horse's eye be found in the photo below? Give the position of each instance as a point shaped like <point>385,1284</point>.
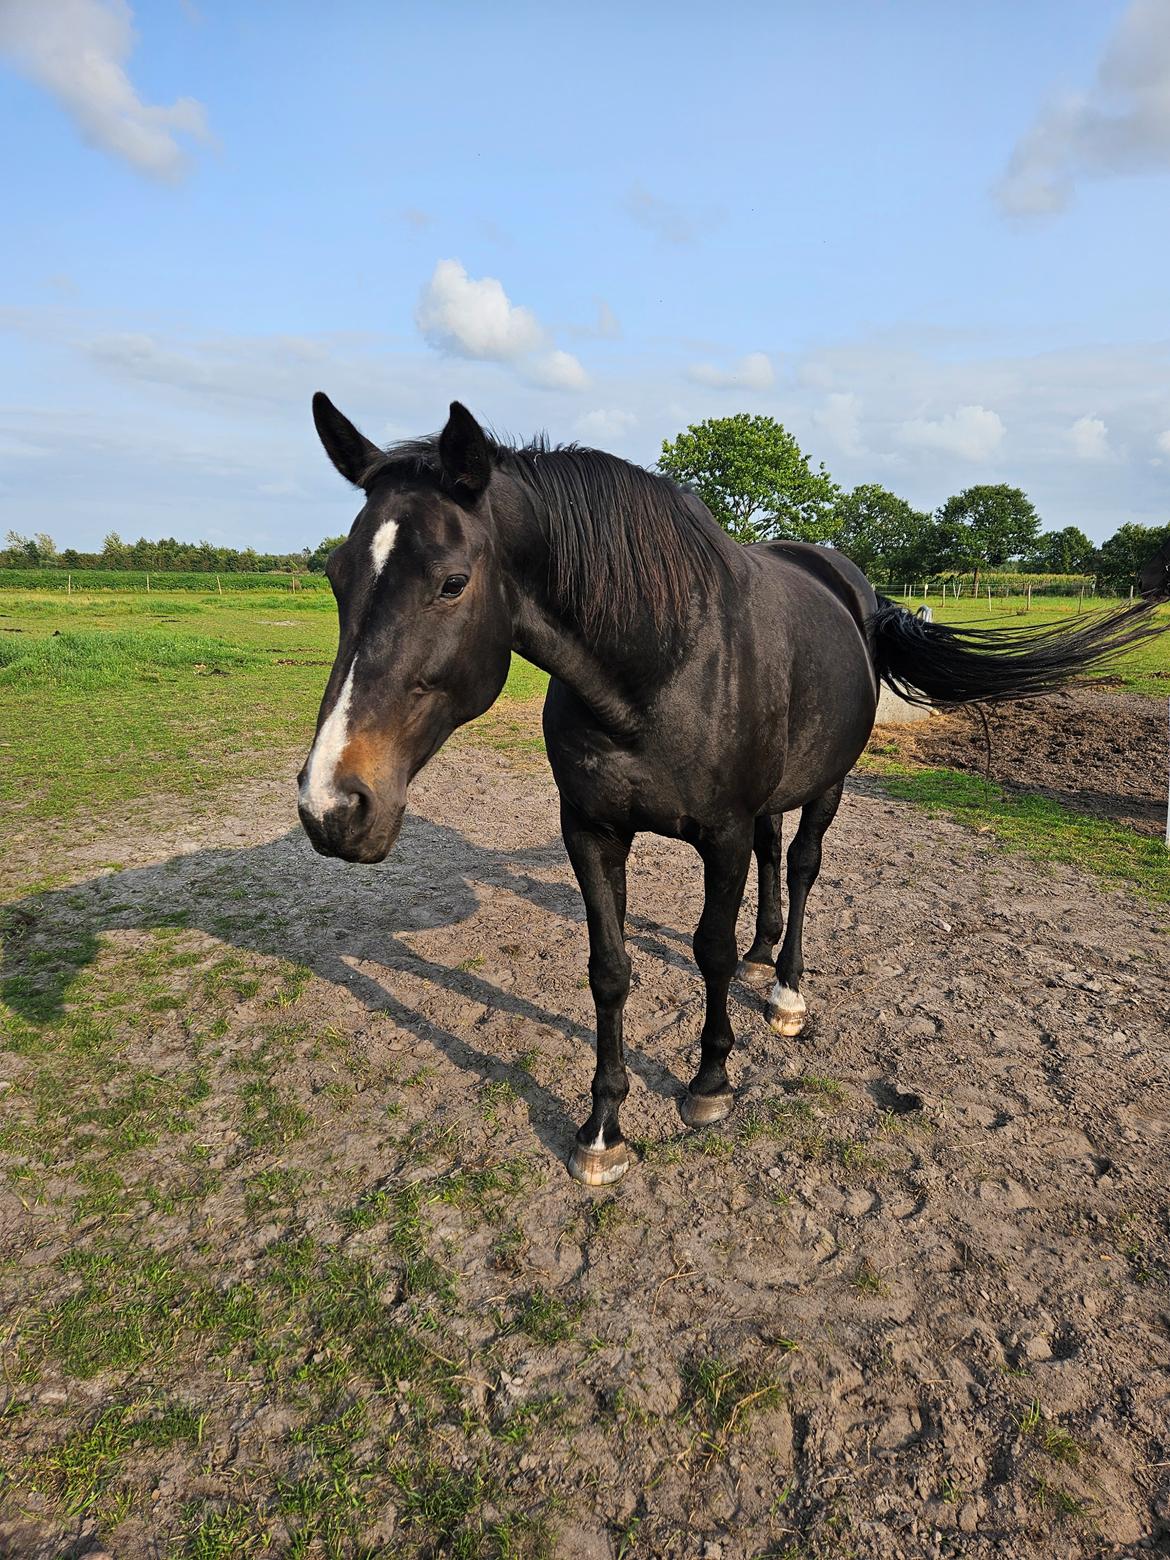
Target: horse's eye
<point>453,586</point>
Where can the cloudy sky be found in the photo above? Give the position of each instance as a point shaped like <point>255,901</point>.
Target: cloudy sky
<point>932,238</point>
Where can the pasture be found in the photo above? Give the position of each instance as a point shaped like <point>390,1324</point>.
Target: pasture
<point>289,1260</point>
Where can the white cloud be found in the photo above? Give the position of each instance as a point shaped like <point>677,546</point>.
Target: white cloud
<point>556,370</point>
<point>753,372</point>
<point>840,419</point>
<point>474,319</point>
<point>971,432</point>
<point>1121,126</point>
<point>77,50</point>
<point>1089,438</point>
<point>606,423</point>
<point>1163,442</point>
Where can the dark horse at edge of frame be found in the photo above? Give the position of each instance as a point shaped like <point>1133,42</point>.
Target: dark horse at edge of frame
<point>699,689</point>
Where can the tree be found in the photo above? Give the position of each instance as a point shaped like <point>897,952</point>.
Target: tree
<point>985,526</point>
<point>754,478</point>
<point>877,529</point>
<point>1062,552</point>
<point>1130,546</point>
<point>319,557</point>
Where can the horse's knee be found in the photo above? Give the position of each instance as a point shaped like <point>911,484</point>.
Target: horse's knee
<point>609,979</point>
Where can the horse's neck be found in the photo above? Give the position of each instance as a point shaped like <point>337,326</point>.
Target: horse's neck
<point>605,676</point>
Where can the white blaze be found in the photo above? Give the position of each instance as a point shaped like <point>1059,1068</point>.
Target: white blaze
<point>317,793</point>
<point>383,544</point>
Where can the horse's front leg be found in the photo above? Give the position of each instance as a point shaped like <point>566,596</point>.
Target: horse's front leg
<point>599,860</point>
<point>725,868</point>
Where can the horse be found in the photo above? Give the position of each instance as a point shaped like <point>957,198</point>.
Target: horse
<point>698,689</point>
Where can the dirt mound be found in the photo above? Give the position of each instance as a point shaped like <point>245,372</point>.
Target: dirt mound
<point>1091,751</point>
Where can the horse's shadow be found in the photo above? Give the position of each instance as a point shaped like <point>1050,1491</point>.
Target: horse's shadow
<point>281,900</point>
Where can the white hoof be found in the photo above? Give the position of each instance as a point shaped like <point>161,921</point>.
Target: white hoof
<point>786,1010</point>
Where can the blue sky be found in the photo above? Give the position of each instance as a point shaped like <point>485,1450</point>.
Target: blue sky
<point>931,238</point>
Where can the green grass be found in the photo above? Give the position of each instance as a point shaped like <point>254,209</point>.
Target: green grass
<point>108,698</point>
<point>1034,826</point>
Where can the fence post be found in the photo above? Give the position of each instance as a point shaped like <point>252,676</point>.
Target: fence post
<point>148,584</point>
<point>1029,606</point>
<point>69,585</point>
<point>1081,600</point>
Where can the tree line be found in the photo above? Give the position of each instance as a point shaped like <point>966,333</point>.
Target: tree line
<point>758,483</point>
<point>166,555</point>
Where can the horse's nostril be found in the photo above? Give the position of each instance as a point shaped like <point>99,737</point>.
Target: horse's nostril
<point>358,797</point>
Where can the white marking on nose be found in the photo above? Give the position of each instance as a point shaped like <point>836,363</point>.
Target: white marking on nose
<point>383,544</point>
<point>317,790</point>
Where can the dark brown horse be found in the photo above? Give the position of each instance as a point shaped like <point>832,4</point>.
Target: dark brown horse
<point>698,689</point>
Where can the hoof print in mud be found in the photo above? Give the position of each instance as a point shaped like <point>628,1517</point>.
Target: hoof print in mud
<point>599,1167</point>
<point>704,1110</point>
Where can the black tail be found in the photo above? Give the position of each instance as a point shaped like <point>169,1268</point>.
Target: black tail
<point>931,663</point>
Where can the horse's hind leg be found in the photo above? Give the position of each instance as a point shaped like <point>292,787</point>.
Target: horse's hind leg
<point>758,964</point>
<point>725,867</point>
<point>786,1006</point>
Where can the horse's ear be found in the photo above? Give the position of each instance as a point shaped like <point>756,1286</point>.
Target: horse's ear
<point>350,451</point>
<point>464,454</point>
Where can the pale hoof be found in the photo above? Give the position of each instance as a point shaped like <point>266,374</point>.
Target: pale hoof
<point>599,1167</point>
<point>704,1110</point>
<point>785,1011</point>
<point>755,974</point>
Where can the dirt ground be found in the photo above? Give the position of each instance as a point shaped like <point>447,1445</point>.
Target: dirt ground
<point>911,1300</point>
<point>1098,752</point>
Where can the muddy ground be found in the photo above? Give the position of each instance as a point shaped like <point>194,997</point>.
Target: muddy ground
<point>1103,753</point>
<point>911,1300</point>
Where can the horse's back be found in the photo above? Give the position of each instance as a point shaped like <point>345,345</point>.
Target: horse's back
<point>839,574</point>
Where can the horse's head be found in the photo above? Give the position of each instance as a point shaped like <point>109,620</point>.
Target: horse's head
<point>425,628</point>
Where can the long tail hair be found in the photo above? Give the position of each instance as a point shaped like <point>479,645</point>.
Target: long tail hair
<point>933,663</point>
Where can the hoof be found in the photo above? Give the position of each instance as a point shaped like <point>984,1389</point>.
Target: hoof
<point>788,1024</point>
<point>704,1110</point>
<point>786,1016</point>
<point>756,974</point>
<point>599,1167</point>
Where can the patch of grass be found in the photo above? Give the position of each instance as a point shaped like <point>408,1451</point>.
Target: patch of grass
<point>1053,1438</point>
<point>546,1318</point>
<point>83,1473</point>
<point>1052,1497</point>
<point>186,707</point>
<point>868,1281</point>
<point>719,1398</point>
<point>1038,828</point>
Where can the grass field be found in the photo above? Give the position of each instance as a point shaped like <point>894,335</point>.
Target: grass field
<point>109,698</point>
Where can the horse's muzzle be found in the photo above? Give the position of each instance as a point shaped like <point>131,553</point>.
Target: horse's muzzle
<point>357,828</point>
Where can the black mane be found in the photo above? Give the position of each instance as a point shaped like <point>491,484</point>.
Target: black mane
<point>621,539</point>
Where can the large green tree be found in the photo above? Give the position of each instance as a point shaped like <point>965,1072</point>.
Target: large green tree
<point>754,478</point>
<point>1130,546</point>
<point>985,526</point>
<point>1068,551</point>
<point>881,532</point>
